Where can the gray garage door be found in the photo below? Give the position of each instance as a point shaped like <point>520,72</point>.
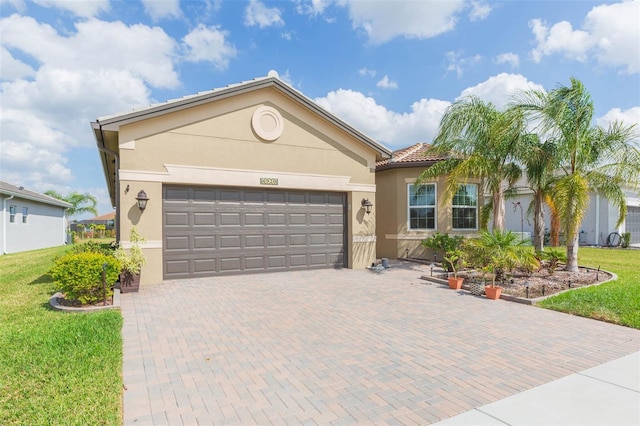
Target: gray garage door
<point>213,231</point>
<point>632,223</point>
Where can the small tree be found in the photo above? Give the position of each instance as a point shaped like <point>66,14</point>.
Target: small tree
<point>445,244</point>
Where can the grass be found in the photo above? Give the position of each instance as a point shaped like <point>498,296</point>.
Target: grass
<point>55,367</point>
<point>618,301</point>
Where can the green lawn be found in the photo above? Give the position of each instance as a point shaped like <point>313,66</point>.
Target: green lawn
<point>617,302</point>
<point>55,367</point>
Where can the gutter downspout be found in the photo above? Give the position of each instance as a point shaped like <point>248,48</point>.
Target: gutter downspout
<point>117,180</point>
<point>4,224</point>
<point>597,220</point>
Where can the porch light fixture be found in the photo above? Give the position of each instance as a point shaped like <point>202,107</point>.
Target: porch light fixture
<point>142,200</point>
<point>366,204</point>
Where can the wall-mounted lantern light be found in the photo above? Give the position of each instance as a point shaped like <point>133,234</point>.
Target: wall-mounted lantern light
<point>142,200</point>
<point>366,204</point>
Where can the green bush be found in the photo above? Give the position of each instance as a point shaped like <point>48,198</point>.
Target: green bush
<point>445,244</point>
<point>79,275</point>
<point>553,257</point>
<point>626,239</point>
<point>93,247</point>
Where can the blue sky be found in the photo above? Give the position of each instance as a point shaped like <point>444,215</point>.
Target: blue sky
<point>389,68</point>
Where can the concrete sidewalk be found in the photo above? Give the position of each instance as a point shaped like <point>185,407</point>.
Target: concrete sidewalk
<point>608,394</point>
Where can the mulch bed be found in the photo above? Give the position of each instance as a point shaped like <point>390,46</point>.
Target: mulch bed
<point>76,304</point>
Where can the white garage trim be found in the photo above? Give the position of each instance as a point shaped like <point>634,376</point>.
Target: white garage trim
<point>246,178</point>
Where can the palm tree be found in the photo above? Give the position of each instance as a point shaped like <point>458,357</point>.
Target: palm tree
<point>591,158</point>
<point>540,160</point>
<point>81,203</point>
<point>481,142</point>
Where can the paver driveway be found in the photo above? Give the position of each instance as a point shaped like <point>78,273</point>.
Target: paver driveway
<point>340,347</point>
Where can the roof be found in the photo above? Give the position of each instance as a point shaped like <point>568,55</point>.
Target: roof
<point>104,217</point>
<point>105,128</point>
<point>412,156</point>
<point>21,192</point>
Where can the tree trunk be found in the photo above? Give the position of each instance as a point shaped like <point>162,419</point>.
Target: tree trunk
<point>572,253</point>
<point>538,224</point>
<point>498,210</point>
<point>554,231</point>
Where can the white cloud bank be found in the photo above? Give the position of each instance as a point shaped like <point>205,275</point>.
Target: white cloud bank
<point>257,13</point>
<point>609,35</point>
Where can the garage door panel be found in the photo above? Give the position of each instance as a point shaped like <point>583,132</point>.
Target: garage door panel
<point>229,219</point>
<point>176,219</point>
<point>204,219</point>
<point>233,230</point>
<point>632,223</point>
<point>205,266</point>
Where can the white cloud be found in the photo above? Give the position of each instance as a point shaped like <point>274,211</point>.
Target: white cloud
<point>209,44</point>
<point>312,7</point>
<point>392,128</point>
<point>479,11</point>
<point>457,63</point>
<point>384,20</point>
<point>367,72</point>
<point>85,9</point>
<point>609,35</point>
<point>13,68</point>
<point>96,45</point>
<point>72,78</point>
<point>385,83</point>
<point>508,58</point>
<point>499,88</point>
<point>629,117</point>
<point>161,9</point>
<point>257,13</point>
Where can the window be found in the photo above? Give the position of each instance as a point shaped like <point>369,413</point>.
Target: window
<point>465,207</point>
<point>25,214</point>
<point>422,206</point>
<point>12,214</point>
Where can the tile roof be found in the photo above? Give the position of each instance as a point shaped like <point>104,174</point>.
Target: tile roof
<point>107,216</point>
<point>412,156</point>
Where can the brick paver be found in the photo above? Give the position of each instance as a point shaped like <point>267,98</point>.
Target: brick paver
<point>340,347</point>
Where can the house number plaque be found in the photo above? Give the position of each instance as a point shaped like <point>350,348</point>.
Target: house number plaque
<point>268,181</point>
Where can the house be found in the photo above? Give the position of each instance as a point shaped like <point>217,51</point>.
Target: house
<point>599,221</point>
<point>253,177</point>
<point>108,220</point>
<point>30,220</point>
<point>414,212</point>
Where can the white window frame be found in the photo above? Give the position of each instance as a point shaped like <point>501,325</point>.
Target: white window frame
<point>25,214</point>
<point>434,206</point>
<point>454,206</point>
<point>12,213</point>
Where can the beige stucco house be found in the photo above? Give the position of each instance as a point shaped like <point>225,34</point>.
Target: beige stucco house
<point>408,213</point>
<point>248,178</point>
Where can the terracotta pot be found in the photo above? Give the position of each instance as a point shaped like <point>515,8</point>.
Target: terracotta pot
<point>455,283</point>
<point>129,283</point>
<point>493,292</point>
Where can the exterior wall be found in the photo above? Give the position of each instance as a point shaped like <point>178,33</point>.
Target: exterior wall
<point>599,220</point>
<point>394,239</point>
<point>45,227</point>
<point>214,144</point>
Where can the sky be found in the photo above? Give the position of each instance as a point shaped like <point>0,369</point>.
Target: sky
<point>388,68</point>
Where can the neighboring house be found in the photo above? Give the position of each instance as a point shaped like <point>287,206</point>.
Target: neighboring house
<point>30,220</point>
<point>108,220</point>
<point>253,177</point>
<point>408,213</point>
<point>599,221</point>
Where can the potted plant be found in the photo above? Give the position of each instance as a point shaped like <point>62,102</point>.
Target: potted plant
<point>492,291</point>
<point>453,258</point>
<point>132,261</point>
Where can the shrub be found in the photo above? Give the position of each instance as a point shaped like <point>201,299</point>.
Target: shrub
<point>93,247</point>
<point>498,252</point>
<point>553,256</point>
<point>626,239</point>
<point>132,260</point>
<point>79,275</point>
<point>445,244</point>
